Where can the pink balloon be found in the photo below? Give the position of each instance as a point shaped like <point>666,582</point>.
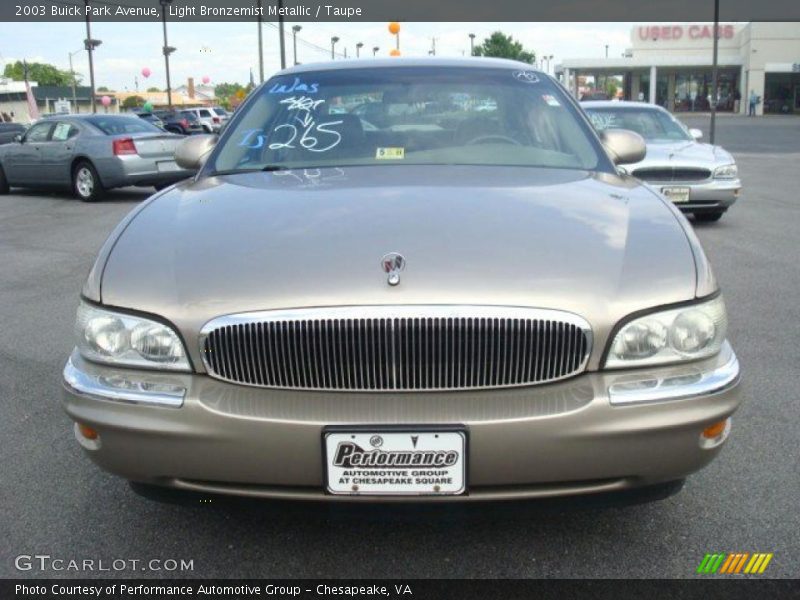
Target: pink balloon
<point>146,72</point>
<point>206,79</point>
<point>105,101</point>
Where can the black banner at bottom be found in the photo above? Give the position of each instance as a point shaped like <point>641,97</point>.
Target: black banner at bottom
<point>416,589</point>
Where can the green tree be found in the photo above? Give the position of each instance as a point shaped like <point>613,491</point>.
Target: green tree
<point>611,88</point>
<point>103,88</point>
<point>153,89</point>
<point>501,45</point>
<point>41,73</point>
<point>133,102</point>
<point>226,90</point>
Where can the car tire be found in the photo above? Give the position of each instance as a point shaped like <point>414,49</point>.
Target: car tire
<point>86,184</point>
<point>4,187</point>
<point>708,217</point>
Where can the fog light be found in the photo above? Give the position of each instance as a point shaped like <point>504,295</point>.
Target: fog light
<point>715,434</point>
<point>88,432</point>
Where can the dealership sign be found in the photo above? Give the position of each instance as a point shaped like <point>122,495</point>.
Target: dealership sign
<point>678,32</point>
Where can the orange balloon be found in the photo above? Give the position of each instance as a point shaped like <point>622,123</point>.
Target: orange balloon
<point>394,27</point>
<point>394,52</point>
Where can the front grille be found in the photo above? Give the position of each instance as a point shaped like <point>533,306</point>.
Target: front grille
<point>671,174</point>
<point>396,348</point>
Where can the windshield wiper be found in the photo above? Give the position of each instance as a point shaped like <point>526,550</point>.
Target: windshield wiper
<point>256,170</point>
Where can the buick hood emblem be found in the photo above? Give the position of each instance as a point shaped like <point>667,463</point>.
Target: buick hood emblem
<point>393,264</point>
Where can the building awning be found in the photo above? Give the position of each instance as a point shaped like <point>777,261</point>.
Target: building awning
<point>644,63</point>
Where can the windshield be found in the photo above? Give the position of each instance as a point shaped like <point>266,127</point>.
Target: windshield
<point>652,124</point>
<point>408,115</point>
<point>112,125</point>
<point>219,111</point>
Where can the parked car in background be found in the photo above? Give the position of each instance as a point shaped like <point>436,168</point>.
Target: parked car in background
<point>211,118</point>
<point>594,95</point>
<point>452,306</point>
<point>178,122</point>
<point>151,118</point>
<point>91,154</point>
<point>8,131</point>
<point>699,178</point>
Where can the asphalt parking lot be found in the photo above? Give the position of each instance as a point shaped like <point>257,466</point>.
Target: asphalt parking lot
<point>56,502</point>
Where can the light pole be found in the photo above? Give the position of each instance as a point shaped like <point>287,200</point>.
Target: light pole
<point>359,46</point>
<point>260,44</point>
<point>472,44</point>
<point>90,44</point>
<point>280,34</point>
<point>167,49</point>
<point>548,59</point>
<point>295,29</point>
<point>74,83</point>
<point>375,50</point>
<point>606,50</point>
<point>714,74</point>
<point>334,39</point>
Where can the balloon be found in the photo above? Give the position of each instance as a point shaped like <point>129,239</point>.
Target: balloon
<point>148,106</point>
<point>206,79</point>
<point>105,101</point>
<point>394,52</point>
<point>146,72</point>
<point>394,27</point>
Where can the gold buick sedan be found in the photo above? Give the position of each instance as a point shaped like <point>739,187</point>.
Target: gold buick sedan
<point>404,280</point>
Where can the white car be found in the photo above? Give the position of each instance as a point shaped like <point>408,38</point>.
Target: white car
<point>212,118</point>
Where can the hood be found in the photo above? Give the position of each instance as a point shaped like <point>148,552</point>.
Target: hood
<point>594,244</point>
<point>683,153</point>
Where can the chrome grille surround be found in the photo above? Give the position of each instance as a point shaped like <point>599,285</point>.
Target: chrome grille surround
<point>396,348</point>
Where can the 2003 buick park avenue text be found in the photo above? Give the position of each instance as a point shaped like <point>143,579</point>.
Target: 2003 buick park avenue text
<point>369,274</point>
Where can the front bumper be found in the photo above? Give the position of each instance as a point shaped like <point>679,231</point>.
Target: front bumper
<point>712,195</point>
<point>193,432</point>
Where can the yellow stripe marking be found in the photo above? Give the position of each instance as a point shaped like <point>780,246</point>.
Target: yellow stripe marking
<point>765,563</point>
<point>753,562</point>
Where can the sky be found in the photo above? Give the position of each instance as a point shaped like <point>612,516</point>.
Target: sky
<point>226,52</point>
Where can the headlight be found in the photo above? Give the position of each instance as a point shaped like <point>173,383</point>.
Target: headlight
<point>679,334</point>
<point>120,339</point>
<point>726,172</point>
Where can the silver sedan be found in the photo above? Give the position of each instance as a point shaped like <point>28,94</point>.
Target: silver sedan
<point>699,178</point>
<point>90,154</point>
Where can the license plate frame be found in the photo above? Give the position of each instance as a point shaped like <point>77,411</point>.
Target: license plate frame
<point>362,434</point>
<point>678,194</point>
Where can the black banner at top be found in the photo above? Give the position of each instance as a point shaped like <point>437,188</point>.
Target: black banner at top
<point>398,10</point>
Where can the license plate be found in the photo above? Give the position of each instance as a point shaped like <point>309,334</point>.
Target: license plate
<point>165,166</point>
<point>676,194</point>
<point>395,463</point>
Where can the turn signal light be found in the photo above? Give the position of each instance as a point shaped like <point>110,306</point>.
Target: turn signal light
<point>714,430</point>
<point>88,432</point>
<point>124,146</point>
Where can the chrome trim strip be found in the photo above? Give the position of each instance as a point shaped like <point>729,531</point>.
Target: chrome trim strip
<point>100,388</point>
<point>408,311</point>
<point>676,387</point>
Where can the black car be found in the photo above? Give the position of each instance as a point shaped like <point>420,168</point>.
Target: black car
<point>151,118</point>
<point>9,130</point>
<point>179,121</point>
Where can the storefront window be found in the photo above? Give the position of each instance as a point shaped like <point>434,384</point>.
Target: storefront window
<point>782,93</point>
<point>693,90</point>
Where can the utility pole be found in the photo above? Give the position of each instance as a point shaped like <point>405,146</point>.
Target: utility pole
<point>433,46</point>
<point>260,44</point>
<point>90,46</point>
<point>295,29</point>
<point>280,33</point>
<point>714,75</point>
<point>167,49</point>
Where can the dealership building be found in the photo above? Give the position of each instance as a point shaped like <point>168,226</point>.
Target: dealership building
<point>670,65</point>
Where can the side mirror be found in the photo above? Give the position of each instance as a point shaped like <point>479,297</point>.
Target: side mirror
<point>193,151</point>
<point>625,147</point>
<point>696,133</point>
<point>18,138</point>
